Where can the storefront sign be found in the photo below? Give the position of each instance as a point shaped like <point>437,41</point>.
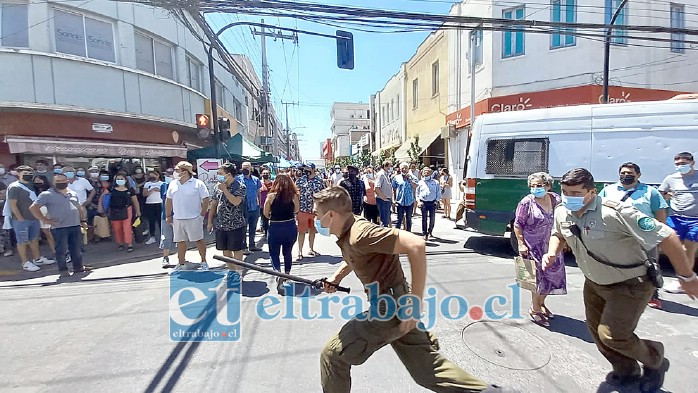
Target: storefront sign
<point>20,145</point>
<point>102,128</point>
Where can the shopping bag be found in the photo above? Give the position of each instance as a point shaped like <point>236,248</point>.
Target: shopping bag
<point>102,227</point>
<point>525,273</point>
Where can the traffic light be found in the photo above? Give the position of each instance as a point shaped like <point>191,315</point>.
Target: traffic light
<point>224,128</point>
<point>203,121</point>
<point>345,50</point>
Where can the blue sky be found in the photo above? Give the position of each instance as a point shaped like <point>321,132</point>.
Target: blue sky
<point>308,73</point>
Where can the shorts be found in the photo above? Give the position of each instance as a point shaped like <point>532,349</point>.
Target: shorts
<point>188,230</point>
<point>685,227</point>
<point>233,240</point>
<point>166,235</point>
<point>306,222</point>
<point>26,231</point>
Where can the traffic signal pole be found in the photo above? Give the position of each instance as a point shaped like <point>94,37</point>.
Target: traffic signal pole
<point>607,51</point>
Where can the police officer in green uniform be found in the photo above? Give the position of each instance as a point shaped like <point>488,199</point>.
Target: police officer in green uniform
<point>602,232</point>
<point>372,252</point>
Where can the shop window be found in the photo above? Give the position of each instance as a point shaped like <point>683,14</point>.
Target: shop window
<point>517,156</point>
<point>14,25</point>
<point>154,56</point>
<point>80,35</point>
<point>194,74</point>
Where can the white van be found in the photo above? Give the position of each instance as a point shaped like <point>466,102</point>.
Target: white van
<point>507,147</point>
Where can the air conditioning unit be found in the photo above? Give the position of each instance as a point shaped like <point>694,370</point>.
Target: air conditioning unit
<point>447,131</point>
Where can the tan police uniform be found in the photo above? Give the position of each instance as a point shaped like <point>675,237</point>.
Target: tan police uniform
<point>614,299</point>
<point>368,249</point>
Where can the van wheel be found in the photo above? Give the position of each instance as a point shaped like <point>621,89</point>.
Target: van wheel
<point>514,242</point>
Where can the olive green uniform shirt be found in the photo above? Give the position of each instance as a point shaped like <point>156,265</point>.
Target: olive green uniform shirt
<point>368,250</point>
<point>618,234</point>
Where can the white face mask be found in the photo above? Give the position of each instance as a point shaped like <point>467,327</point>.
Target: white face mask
<point>177,176</point>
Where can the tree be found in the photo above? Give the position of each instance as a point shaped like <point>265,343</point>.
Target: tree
<point>415,152</point>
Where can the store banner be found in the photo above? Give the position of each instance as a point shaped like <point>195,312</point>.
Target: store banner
<point>19,145</point>
<point>207,172</point>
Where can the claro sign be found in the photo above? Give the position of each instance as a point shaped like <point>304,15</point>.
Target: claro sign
<point>554,98</point>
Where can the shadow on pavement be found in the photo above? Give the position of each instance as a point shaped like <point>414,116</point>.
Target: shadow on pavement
<point>678,308</point>
<point>254,288</point>
<point>571,327</point>
<point>443,241</point>
<point>605,387</point>
<point>490,245</point>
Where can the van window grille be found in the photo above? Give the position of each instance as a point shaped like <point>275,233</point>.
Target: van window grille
<point>517,156</point>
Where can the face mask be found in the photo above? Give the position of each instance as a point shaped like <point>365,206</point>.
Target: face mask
<point>177,176</point>
<point>121,182</point>
<point>345,175</point>
<point>94,175</point>
<point>2,171</point>
<point>320,229</point>
<point>139,171</point>
<point>70,175</point>
<point>352,176</point>
<point>337,170</point>
<point>57,170</point>
<point>81,173</point>
<point>168,180</point>
<point>265,177</point>
<point>13,173</point>
<point>61,186</point>
<point>538,192</point>
<point>627,179</point>
<point>41,171</point>
<point>104,178</point>
<point>427,177</point>
<point>246,172</point>
<point>369,175</point>
<point>28,177</point>
<point>221,178</point>
<point>683,169</point>
<point>575,204</point>
<point>39,187</point>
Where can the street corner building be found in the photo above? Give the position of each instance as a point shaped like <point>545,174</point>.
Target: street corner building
<point>103,80</point>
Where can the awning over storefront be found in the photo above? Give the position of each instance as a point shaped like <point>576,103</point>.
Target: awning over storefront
<point>425,140</point>
<point>237,149</point>
<point>67,147</point>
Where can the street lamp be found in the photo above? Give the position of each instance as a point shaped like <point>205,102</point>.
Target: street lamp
<point>607,51</point>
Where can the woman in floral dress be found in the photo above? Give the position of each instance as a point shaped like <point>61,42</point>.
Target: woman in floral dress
<point>533,226</point>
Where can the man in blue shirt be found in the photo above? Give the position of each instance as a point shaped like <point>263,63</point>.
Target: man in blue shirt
<point>252,199</point>
<point>404,196</point>
<point>629,190</point>
<point>428,193</point>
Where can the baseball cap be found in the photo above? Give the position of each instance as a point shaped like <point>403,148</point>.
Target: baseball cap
<point>311,165</point>
<point>185,166</point>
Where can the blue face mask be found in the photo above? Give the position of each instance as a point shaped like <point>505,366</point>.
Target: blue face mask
<point>70,175</point>
<point>121,182</point>
<point>221,178</point>
<point>320,229</point>
<point>427,177</point>
<point>683,169</point>
<point>538,192</point>
<point>81,173</point>
<point>104,178</point>
<point>575,204</point>
<point>168,179</point>
<point>58,171</point>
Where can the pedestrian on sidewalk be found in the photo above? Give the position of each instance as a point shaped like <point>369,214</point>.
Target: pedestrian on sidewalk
<point>227,217</point>
<point>7,177</point>
<point>41,184</point>
<point>20,196</point>
<point>5,234</point>
<point>282,203</point>
<point>41,166</point>
<point>267,183</point>
<point>603,233</point>
<point>428,193</point>
<point>153,203</point>
<point>384,193</point>
<point>373,253</point>
<point>647,199</point>
<point>68,219</point>
<point>253,188</point>
<point>403,184</point>
<point>123,204</point>
<point>81,186</point>
<point>370,205</point>
<point>188,198</point>
<point>166,232</point>
<point>446,190</point>
<point>356,189</point>
<point>532,227</point>
<point>307,185</point>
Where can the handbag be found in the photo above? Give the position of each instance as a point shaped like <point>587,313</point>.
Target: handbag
<point>101,227</point>
<point>525,273</point>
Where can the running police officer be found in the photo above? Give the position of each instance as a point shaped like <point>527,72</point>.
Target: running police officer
<point>609,241</point>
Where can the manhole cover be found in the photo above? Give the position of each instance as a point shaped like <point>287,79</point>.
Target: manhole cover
<point>506,346</point>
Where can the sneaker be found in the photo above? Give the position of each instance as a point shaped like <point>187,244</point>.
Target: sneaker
<point>30,266</point>
<point>246,251</point>
<point>151,240</point>
<point>178,268</point>
<point>8,253</point>
<point>673,287</point>
<point>204,266</point>
<point>655,303</point>
<point>44,261</point>
<point>64,273</point>
<point>145,233</point>
<point>165,262</point>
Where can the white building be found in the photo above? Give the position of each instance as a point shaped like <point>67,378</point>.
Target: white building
<point>518,70</point>
<point>350,122</point>
<point>106,79</point>
<point>390,109</point>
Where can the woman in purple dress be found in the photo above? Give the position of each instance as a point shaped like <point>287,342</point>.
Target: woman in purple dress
<point>533,225</point>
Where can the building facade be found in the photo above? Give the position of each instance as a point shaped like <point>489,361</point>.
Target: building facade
<point>390,111</point>
<point>350,122</point>
<point>107,79</point>
<point>519,70</point>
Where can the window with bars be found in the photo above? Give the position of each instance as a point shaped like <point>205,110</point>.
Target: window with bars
<point>517,156</point>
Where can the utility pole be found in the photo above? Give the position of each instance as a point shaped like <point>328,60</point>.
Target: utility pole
<point>288,130</point>
<point>265,79</point>
<point>607,51</point>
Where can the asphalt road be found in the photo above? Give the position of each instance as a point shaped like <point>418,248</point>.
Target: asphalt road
<point>109,331</point>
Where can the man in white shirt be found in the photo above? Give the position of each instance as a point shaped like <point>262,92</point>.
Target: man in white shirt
<point>152,209</point>
<point>336,177</point>
<point>80,186</point>
<point>188,198</point>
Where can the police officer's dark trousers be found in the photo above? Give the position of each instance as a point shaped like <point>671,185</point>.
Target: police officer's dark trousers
<point>612,313</point>
<point>418,351</point>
